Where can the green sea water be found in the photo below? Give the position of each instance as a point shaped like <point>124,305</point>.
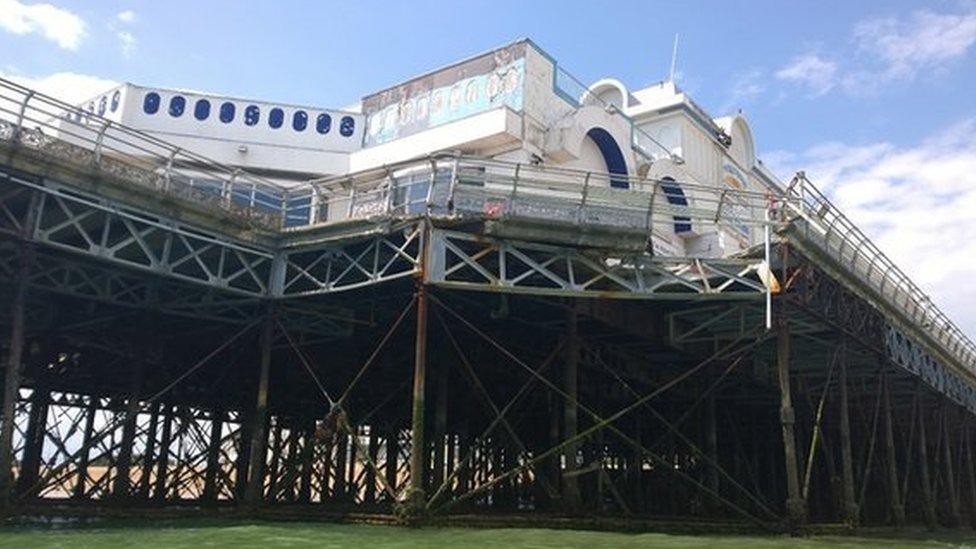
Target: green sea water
<point>259,535</point>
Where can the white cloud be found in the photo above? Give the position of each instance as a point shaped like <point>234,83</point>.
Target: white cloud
<point>887,50</point>
<point>127,16</point>
<point>128,41</point>
<point>917,203</point>
<point>811,71</point>
<point>746,86</point>
<point>56,24</point>
<point>923,41</point>
<point>69,87</point>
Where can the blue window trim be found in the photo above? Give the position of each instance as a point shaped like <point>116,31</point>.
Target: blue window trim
<point>276,118</point>
<point>299,121</point>
<point>227,112</point>
<point>116,98</point>
<point>672,191</point>
<point>151,103</point>
<point>201,110</point>
<point>252,115</point>
<point>323,123</point>
<point>612,155</point>
<point>177,106</point>
<point>347,126</point>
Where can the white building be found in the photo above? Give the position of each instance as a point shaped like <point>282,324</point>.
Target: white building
<point>513,104</point>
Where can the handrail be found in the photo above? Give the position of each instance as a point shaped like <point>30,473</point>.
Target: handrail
<point>27,116</point>
<point>870,262</point>
<point>43,122</point>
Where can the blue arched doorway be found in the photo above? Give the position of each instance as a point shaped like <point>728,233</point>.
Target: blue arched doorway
<point>612,155</point>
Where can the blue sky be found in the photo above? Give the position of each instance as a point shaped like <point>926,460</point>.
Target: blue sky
<point>876,100</point>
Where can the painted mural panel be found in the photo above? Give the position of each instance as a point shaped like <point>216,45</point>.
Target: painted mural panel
<point>478,85</point>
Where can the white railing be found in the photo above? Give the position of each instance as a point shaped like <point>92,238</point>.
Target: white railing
<point>824,223</point>
<point>452,185</point>
<point>86,140</point>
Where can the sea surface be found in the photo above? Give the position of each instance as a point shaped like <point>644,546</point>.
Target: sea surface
<point>259,535</point>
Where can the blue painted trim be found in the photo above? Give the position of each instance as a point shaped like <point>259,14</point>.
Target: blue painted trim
<point>672,191</point>
<point>612,155</point>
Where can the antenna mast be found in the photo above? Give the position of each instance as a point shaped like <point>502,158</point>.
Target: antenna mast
<point>674,58</point>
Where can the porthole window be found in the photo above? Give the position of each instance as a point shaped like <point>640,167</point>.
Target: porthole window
<point>201,111</point>
<point>91,107</point>
<point>116,97</point>
<point>177,104</point>
<point>299,121</point>
<point>323,123</point>
<point>150,103</point>
<point>252,115</point>
<point>276,117</point>
<point>227,112</point>
<point>102,105</point>
<point>347,126</point>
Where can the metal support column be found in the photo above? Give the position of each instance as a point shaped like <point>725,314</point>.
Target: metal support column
<point>34,438</point>
<point>894,493</point>
<point>955,516</point>
<point>121,485</point>
<point>415,492</point>
<point>259,436</point>
<point>928,501</point>
<point>850,511</point>
<point>795,506</point>
<point>210,489</point>
<point>571,493</point>
<point>11,384</point>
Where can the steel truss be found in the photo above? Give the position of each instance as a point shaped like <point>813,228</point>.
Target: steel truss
<point>466,261</point>
<point>829,301</point>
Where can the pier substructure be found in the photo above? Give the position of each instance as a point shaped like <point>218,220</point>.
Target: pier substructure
<point>427,368</point>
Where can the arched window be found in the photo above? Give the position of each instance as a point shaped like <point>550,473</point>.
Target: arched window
<point>276,117</point>
<point>252,115</point>
<point>323,123</point>
<point>150,103</point>
<point>116,97</point>
<point>672,191</point>
<point>177,104</point>
<point>347,126</point>
<point>201,111</point>
<point>227,112</point>
<point>299,121</point>
<point>102,105</point>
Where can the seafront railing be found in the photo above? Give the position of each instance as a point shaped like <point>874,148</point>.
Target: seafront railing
<point>823,223</point>
<point>456,186</point>
<point>90,142</point>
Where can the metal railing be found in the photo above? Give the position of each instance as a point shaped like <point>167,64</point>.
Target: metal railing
<point>91,142</point>
<point>836,234</point>
<point>452,185</point>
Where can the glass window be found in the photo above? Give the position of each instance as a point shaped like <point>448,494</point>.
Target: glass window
<point>177,105</point>
<point>299,121</point>
<point>347,126</point>
<point>276,117</point>
<point>102,105</point>
<point>116,97</point>
<point>227,112</point>
<point>150,103</point>
<point>323,123</point>
<point>252,115</point>
<point>201,111</point>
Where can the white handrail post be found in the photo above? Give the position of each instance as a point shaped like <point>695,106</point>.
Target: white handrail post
<point>769,268</point>
<point>22,114</point>
<point>99,141</point>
